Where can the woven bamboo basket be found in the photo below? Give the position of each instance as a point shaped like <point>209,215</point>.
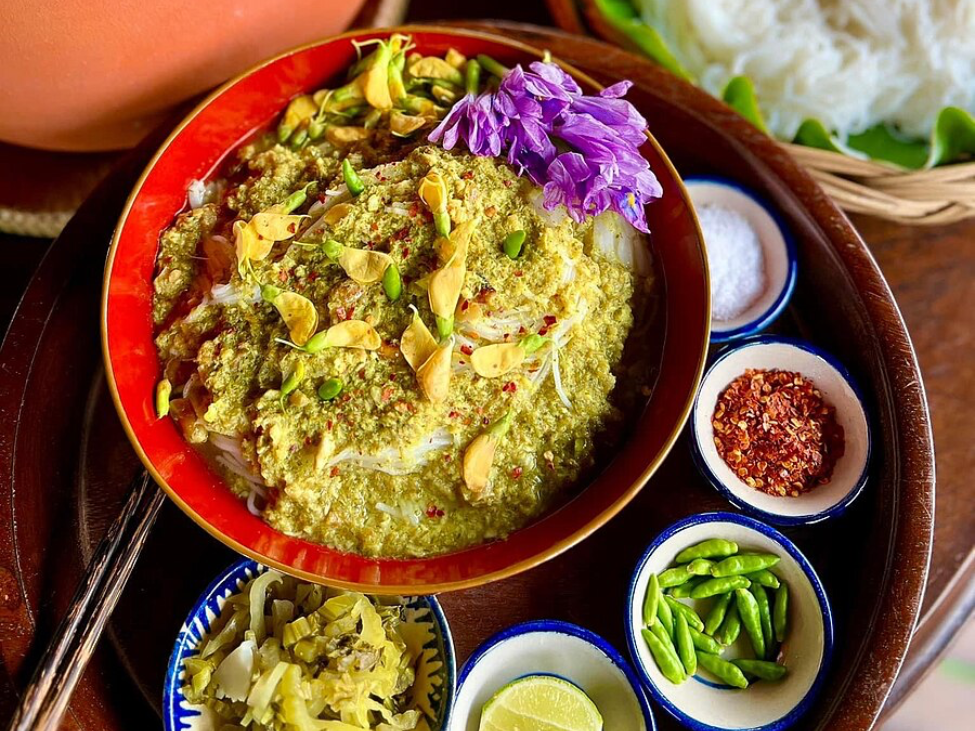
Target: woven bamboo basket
<point>937,196</point>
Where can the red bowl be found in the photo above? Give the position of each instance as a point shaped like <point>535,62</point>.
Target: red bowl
<point>192,151</point>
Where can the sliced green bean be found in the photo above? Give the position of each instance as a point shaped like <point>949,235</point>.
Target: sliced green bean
<point>513,243</point>
<point>731,627</point>
<point>765,614</point>
<point>472,76</point>
<point>392,282</point>
<point>675,577</point>
<point>352,180</point>
<point>713,587</point>
<point>716,615</point>
<point>722,670</point>
<point>291,383</point>
<point>330,389</point>
<point>738,565</point>
<point>650,600</point>
<point>689,614</point>
<point>751,620</point>
<point>704,643</point>
<point>761,668</point>
<point>700,567</point>
<point>492,66</point>
<point>683,591</point>
<point>764,577</point>
<point>780,612</point>
<point>665,657</point>
<point>713,548</point>
<point>685,645</point>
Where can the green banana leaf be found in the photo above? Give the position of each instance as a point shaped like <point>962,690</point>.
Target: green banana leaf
<point>952,138</point>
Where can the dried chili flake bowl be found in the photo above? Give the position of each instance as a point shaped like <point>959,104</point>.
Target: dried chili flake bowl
<point>779,428</point>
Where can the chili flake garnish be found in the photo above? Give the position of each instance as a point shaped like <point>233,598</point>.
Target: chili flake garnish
<point>776,432</point>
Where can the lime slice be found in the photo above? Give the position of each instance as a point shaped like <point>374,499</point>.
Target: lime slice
<point>540,703</point>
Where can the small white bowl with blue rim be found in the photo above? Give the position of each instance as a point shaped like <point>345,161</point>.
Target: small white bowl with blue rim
<point>778,253</point>
<point>181,715</point>
<point>838,388</point>
<point>562,649</point>
<point>703,702</point>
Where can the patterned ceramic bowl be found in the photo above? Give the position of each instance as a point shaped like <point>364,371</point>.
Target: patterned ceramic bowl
<point>180,715</point>
<point>703,703</point>
<point>838,388</point>
<point>550,647</point>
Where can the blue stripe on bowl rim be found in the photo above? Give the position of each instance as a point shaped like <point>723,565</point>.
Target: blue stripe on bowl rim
<point>559,626</point>
<point>229,581</point>
<point>725,517</point>
<point>761,322</point>
<point>776,519</point>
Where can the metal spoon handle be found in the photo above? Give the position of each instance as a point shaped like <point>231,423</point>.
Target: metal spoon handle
<point>46,696</point>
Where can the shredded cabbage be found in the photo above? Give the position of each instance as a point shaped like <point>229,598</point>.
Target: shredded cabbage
<point>331,661</point>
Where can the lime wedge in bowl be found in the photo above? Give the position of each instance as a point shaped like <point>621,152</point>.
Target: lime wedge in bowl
<point>540,703</point>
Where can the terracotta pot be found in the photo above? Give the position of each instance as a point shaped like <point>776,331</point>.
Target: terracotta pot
<point>98,74</point>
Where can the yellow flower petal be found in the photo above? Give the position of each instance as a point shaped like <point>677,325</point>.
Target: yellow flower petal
<point>364,266</point>
<point>300,109</point>
<point>375,86</point>
<point>417,343</point>
<point>299,314</point>
<point>353,334</point>
<point>478,460</point>
<point>491,361</point>
<point>434,374</point>
<point>431,67</point>
<point>433,191</point>
<point>274,226</point>
<point>404,124</point>
<point>336,213</point>
<point>460,236</point>
<point>342,136</point>
<point>447,282</point>
<point>455,58</point>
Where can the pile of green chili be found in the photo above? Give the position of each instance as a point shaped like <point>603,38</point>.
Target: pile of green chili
<point>743,593</point>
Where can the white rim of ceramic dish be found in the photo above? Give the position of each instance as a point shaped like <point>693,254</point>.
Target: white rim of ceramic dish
<point>704,464</point>
<point>558,626</point>
<point>226,583</point>
<point>770,312</point>
<point>805,703</point>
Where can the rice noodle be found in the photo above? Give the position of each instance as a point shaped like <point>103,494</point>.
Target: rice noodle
<point>394,461</point>
<point>850,63</point>
<point>557,379</point>
<point>199,193</point>
<point>615,238</point>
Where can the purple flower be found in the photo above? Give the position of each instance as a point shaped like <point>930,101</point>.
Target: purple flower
<point>583,150</point>
<point>473,121</point>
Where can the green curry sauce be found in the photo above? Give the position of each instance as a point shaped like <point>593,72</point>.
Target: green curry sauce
<point>377,469</point>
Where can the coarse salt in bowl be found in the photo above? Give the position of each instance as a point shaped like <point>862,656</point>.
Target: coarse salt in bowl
<point>778,253</point>
<point>838,389</point>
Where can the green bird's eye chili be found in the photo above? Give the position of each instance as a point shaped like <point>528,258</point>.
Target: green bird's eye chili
<point>666,616</point>
<point>700,567</point>
<point>352,180</point>
<point>674,577</point>
<point>392,283</point>
<point>713,548</point>
<point>764,577</point>
<point>731,627</point>
<point>751,620</point>
<point>665,656</point>
<point>683,591</point>
<point>737,565</point>
<point>689,614</point>
<point>704,642</point>
<point>776,432</point>
<point>330,389</point>
<point>765,614</point>
<point>716,615</point>
<point>761,668</point>
<point>684,643</point>
<point>723,670</point>
<point>780,612</point>
<point>722,585</point>
<point>650,600</point>
<point>513,243</point>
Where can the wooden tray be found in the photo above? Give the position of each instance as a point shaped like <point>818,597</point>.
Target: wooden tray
<point>65,460</point>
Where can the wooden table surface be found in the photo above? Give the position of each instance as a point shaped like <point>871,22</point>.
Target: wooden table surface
<point>931,271</point>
